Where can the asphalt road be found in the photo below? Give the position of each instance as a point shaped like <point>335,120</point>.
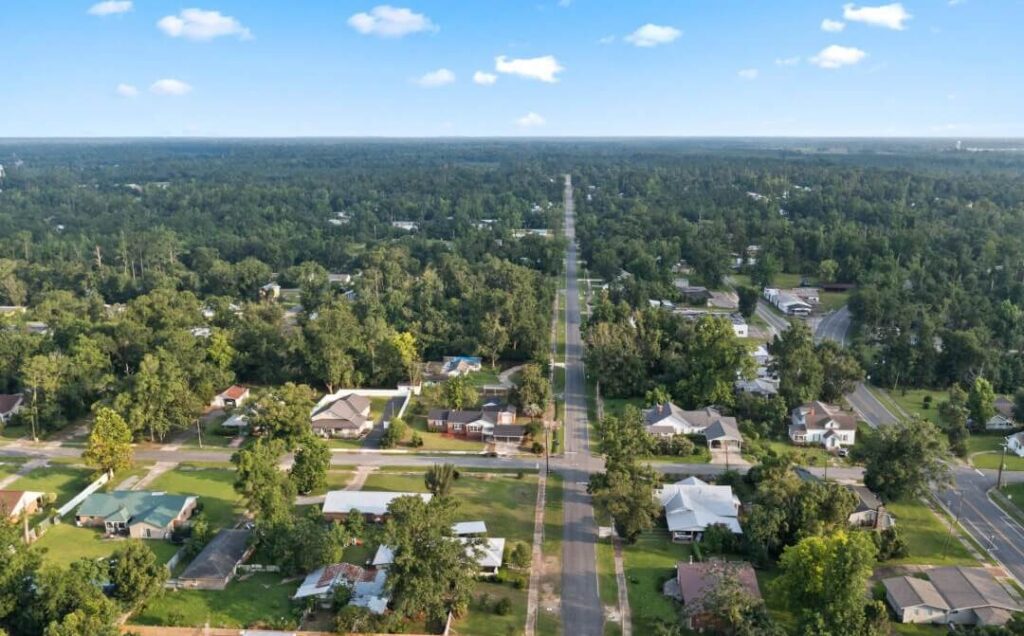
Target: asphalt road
<point>776,323</point>
<point>834,326</point>
<point>869,408</point>
<point>581,606</point>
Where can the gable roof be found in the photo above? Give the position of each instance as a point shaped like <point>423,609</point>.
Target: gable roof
<point>700,419</point>
<point>697,579</point>
<point>9,402</point>
<point>344,412</point>
<point>692,505</point>
<point>817,414</point>
<point>866,500</point>
<point>220,556</point>
<point>908,591</point>
<point>157,509</point>
<point>488,553</point>
<point>367,502</point>
<point>1004,406</point>
<point>233,392</point>
<point>469,527</point>
<point>324,579</point>
<point>13,501</point>
<point>965,588</point>
<point>723,428</point>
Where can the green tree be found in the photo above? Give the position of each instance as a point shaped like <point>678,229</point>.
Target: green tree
<point>157,397</point>
<point>457,393</point>
<point>732,607</point>
<point>533,387</point>
<point>43,376</point>
<point>797,365</point>
<point>440,478</point>
<point>902,459</point>
<point>827,270</point>
<point>110,442</point>
<point>283,413</point>
<point>711,357</point>
<point>823,581</point>
<point>981,402</point>
<point>331,345</point>
<point>268,492</point>
<point>432,573</point>
<point>747,300</point>
<point>493,338</point>
<point>136,574</point>
<point>18,564</point>
<point>394,434</point>
<point>312,460</point>
<point>840,370</point>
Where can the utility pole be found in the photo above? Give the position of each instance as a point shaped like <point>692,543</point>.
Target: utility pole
<point>199,431</point>
<point>547,448</point>
<point>1002,465</point>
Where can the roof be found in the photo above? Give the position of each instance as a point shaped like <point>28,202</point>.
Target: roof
<point>238,420</point>
<point>343,412</point>
<point>157,509</point>
<point>233,392</point>
<point>488,553</point>
<point>965,588</point>
<point>697,579</point>
<point>866,500</point>
<point>489,413</point>
<point>692,505</point>
<point>817,414</point>
<point>322,580</point>
<point>469,527</point>
<point>764,386</point>
<point>12,501</point>
<point>220,557</point>
<point>1004,407</point>
<point>509,430</point>
<point>723,428</point>
<point>907,591</point>
<point>10,401</point>
<point>365,502</point>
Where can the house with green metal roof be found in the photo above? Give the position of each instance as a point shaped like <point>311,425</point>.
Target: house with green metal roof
<point>138,514</point>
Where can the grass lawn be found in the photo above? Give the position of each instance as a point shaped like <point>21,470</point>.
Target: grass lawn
<point>649,563</point>
<point>549,622</point>
<point>991,447</point>
<point>774,600</point>
<point>806,455</point>
<point>615,406</point>
<point>66,542</point>
<point>63,480</point>
<point>927,538</point>
<point>606,583</point>
<point>503,501</point>
<point>912,401</point>
<point>483,620</point>
<point>259,600</point>
<point>377,406</point>
<point>486,375</point>
<point>214,487</point>
<point>438,441</point>
<point>831,301</point>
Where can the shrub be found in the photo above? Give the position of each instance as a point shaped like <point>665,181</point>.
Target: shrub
<point>503,607</point>
<point>416,441</point>
<point>394,434</point>
<point>537,448</point>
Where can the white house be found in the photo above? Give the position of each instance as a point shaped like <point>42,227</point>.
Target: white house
<point>1003,419</point>
<point>488,553</point>
<point>691,505</point>
<point>739,326</point>
<point>823,424</point>
<point>1015,444</point>
<point>231,397</point>
<point>372,504</point>
<point>666,420</point>
<point>366,585</point>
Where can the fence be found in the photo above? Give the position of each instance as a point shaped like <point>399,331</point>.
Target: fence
<point>80,497</point>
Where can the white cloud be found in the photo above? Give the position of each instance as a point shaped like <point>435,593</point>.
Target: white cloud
<point>127,90</point>
<point>110,7</point>
<point>749,73</point>
<point>564,3</point>
<point>170,87</point>
<point>889,16</point>
<point>652,35</point>
<point>787,61</point>
<point>390,22</point>
<point>832,26</point>
<point>433,79</point>
<point>608,39</point>
<point>197,24</point>
<point>836,56</point>
<point>545,68</point>
<point>484,79</point>
<point>530,120</point>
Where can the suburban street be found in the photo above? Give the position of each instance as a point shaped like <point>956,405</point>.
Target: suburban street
<point>581,605</point>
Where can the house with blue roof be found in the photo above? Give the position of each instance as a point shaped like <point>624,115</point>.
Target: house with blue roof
<point>138,514</point>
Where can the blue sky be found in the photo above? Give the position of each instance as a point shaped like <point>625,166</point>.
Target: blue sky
<point>569,67</point>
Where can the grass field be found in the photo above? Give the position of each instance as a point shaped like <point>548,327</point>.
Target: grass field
<point>260,600</point>
<point>549,622</point>
<point>438,441</point>
<point>66,542</point>
<point>991,445</point>
<point>927,538</point>
<point>912,402</point>
<point>65,481</point>
<point>649,563</point>
<point>806,455</point>
<point>606,583</point>
<point>482,621</point>
<point>831,301</point>
<point>486,375</point>
<point>214,487</point>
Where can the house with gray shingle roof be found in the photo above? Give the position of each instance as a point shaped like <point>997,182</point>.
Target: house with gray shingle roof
<point>138,514</point>
<point>666,420</point>
<point>823,424</point>
<point>348,416</point>
<point>959,595</point>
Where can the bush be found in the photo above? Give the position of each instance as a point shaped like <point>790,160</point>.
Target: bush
<point>503,607</point>
<point>519,555</point>
<point>890,544</point>
<point>520,475</point>
<point>394,434</point>
<point>416,441</point>
<point>519,583</point>
<point>718,539</point>
<point>698,556</point>
<point>537,448</point>
<point>926,402</point>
